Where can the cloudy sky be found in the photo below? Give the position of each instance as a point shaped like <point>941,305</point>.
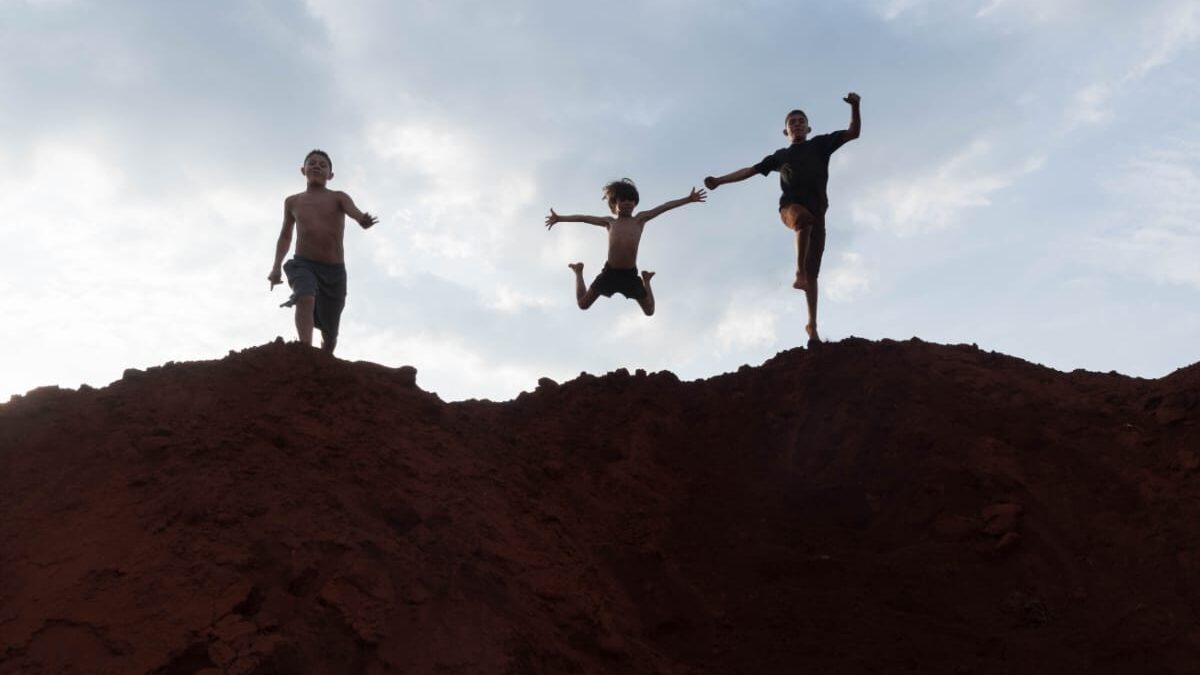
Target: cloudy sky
<point>1028,179</point>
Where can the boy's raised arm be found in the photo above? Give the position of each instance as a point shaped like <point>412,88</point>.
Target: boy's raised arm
<point>695,196</point>
<point>855,127</point>
<point>282,245</point>
<point>740,175</point>
<point>554,218</point>
<point>364,219</point>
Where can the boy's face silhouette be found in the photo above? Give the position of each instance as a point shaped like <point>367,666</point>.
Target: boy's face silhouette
<point>796,128</point>
<point>625,207</point>
<point>317,169</point>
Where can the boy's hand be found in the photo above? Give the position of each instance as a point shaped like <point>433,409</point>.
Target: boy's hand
<point>367,220</point>
<point>697,195</point>
<point>710,183</point>
<point>852,98</point>
<point>551,219</point>
<point>275,277</point>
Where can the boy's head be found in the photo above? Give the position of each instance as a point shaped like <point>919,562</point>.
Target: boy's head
<point>795,126</point>
<point>622,196</point>
<point>318,167</point>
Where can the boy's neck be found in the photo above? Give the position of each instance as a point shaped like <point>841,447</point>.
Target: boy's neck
<point>315,187</point>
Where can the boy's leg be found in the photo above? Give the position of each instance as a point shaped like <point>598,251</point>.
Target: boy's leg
<point>304,317</point>
<point>801,221</point>
<point>583,295</point>
<point>815,251</point>
<point>810,296</point>
<point>647,301</point>
<point>330,302</point>
<point>810,248</point>
<point>328,342</point>
<point>801,282</point>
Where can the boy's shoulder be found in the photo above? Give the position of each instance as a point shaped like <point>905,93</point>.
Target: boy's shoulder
<point>310,196</point>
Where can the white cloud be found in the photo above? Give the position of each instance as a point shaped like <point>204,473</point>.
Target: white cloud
<point>1167,33</point>
<point>1091,105</point>
<point>1040,11</point>
<point>847,280</point>
<point>511,301</point>
<point>1171,32</point>
<point>445,364</point>
<point>893,9</point>
<point>1157,234</point>
<point>632,324</point>
<point>1036,11</point>
<point>472,196</point>
<point>746,325</point>
<point>936,200</point>
<point>138,279</point>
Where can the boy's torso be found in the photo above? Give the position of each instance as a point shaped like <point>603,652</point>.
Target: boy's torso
<point>804,172</point>
<point>320,225</point>
<point>624,236</point>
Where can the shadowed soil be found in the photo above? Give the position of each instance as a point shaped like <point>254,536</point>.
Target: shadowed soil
<point>871,507</point>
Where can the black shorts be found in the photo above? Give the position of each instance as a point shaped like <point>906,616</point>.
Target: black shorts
<point>624,281</point>
<point>324,281</point>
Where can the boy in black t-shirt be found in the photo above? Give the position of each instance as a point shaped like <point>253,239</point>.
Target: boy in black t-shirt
<point>620,273</point>
<point>803,170</point>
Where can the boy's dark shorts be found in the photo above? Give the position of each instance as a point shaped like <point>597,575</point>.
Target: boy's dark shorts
<point>325,281</point>
<point>816,239</point>
<point>616,280</point>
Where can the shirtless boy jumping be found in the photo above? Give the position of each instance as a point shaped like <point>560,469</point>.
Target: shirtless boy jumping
<point>803,170</point>
<point>317,272</point>
<point>620,274</point>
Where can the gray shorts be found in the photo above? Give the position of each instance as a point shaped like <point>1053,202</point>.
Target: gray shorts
<point>325,281</point>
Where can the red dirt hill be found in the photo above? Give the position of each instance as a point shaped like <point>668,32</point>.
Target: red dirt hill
<point>866,508</point>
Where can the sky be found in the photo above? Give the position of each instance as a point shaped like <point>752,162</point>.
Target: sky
<point>1027,179</point>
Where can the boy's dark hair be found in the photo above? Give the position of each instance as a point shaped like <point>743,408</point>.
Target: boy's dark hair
<point>620,189</point>
<point>321,153</point>
<point>785,117</point>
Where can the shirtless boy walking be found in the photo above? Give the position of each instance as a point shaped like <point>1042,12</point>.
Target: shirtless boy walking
<point>317,272</point>
<point>620,273</point>
<point>803,170</point>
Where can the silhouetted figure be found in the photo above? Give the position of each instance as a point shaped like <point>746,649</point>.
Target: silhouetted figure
<point>317,271</point>
<point>803,170</point>
<point>620,273</point>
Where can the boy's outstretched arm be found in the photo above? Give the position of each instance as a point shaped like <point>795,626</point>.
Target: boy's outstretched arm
<point>855,127</point>
<point>740,175</point>
<point>364,219</point>
<point>695,196</point>
<point>283,245</point>
<point>591,220</point>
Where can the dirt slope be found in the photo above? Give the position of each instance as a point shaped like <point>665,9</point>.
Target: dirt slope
<point>868,508</point>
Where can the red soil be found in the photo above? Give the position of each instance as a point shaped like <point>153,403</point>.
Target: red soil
<point>867,508</point>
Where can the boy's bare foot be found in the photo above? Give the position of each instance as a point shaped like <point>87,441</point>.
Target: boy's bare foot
<point>647,302</point>
<point>801,282</point>
<point>576,267</point>
<point>813,338</point>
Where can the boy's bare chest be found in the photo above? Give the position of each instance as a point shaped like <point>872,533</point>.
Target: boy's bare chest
<point>315,211</point>
<point>625,229</point>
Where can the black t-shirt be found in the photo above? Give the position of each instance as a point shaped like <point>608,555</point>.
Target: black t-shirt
<point>804,171</point>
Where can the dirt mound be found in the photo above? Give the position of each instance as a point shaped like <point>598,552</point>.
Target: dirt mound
<point>865,508</point>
